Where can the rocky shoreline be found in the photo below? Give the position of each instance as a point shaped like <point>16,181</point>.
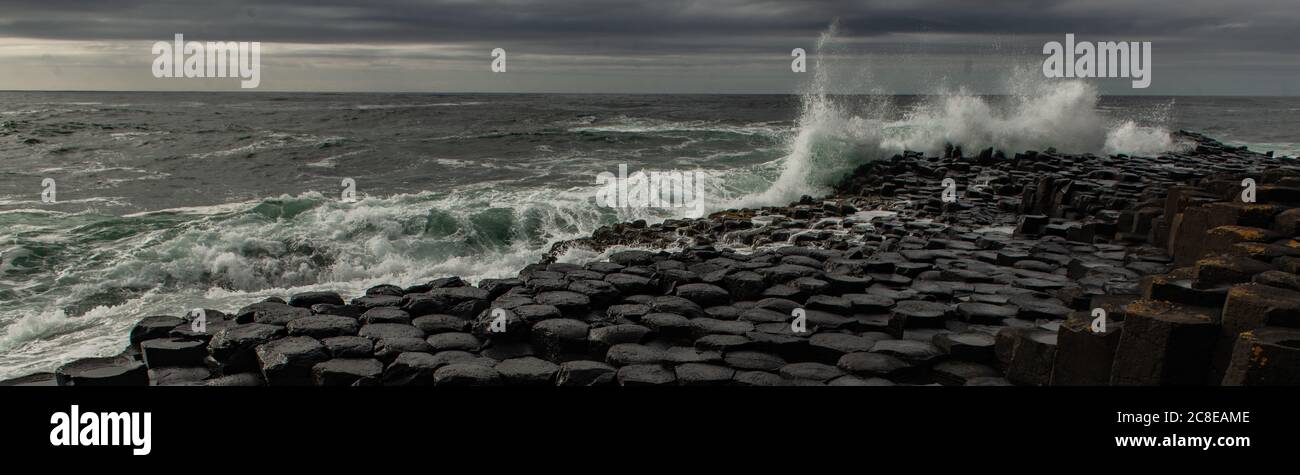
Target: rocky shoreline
<point>1046,269</point>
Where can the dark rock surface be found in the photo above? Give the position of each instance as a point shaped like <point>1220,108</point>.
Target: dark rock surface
<point>110,371</point>
<point>996,288</point>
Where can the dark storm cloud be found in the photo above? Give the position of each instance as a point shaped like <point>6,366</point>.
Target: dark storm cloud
<point>1202,46</point>
<point>668,26</point>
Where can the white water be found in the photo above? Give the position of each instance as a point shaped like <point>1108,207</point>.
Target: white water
<point>835,135</point>
<point>229,255</point>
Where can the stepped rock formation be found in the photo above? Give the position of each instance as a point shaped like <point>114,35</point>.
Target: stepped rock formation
<point>881,283</point>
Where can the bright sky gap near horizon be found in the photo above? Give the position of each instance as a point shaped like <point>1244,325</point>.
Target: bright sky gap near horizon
<point>1201,47</point>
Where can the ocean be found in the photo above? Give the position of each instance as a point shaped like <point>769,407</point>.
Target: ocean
<point>172,201</point>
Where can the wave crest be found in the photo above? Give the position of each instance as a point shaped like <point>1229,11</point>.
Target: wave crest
<point>835,134</point>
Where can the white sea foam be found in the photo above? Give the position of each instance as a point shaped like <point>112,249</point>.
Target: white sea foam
<point>833,135</point>
<point>229,255</point>
<point>226,256</point>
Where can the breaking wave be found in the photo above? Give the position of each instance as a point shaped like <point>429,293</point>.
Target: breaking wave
<point>835,134</point>
<point>72,284</point>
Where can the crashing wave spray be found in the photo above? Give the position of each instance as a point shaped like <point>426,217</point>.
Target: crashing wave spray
<point>834,135</point>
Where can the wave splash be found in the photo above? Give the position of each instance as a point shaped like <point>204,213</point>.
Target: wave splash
<point>73,284</point>
<point>81,280</point>
<point>835,134</point>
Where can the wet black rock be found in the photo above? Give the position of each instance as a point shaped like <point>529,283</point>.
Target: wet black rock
<point>420,304</point>
<point>160,352</point>
<point>440,323</point>
<point>818,372</point>
<point>504,350</point>
<point>201,325</point>
<point>723,343</point>
<point>323,326</point>
<point>270,313</point>
<point>385,315</point>
<point>37,379</point>
<point>527,371</point>
<point>153,327</point>
<point>633,353</point>
<point>466,374</point>
<point>763,315</point>
<point>757,378</point>
<point>234,346</point>
<point>985,313</point>
<point>830,303</point>
<point>754,360</point>
<point>307,299</point>
<point>630,284</point>
<point>288,361</point>
<point>348,346</point>
<point>911,351</point>
<point>492,324</point>
<point>237,379</point>
<point>645,375</point>
<point>632,258</point>
<point>416,369</point>
<point>532,314</point>
<point>110,371</point>
<point>454,342</point>
<point>829,347</point>
<point>873,364</point>
<point>864,303</point>
<point>569,303</point>
<point>967,346</point>
<point>585,373</point>
<point>178,375</point>
<point>560,338</point>
<point>352,311</point>
<point>961,373</point>
<point>597,291</point>
<point>605,337</point>
<point>700,374</point>
<point>389,348</point>
<point>348,372</point>
<point>917,314</point>
<point>850,380</point>
<point>385,289</point>
<point>677,305</point>
<point>686,354</point>
<point>372,301</point>
<point>1035,306</point>
<point>379,331</point>
<point>704,294</point>
<point>745,285</point>
<point>712,326</point>
<point>498,287</point>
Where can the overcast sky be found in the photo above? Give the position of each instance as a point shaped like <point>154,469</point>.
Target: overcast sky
<point>1233,47</point>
